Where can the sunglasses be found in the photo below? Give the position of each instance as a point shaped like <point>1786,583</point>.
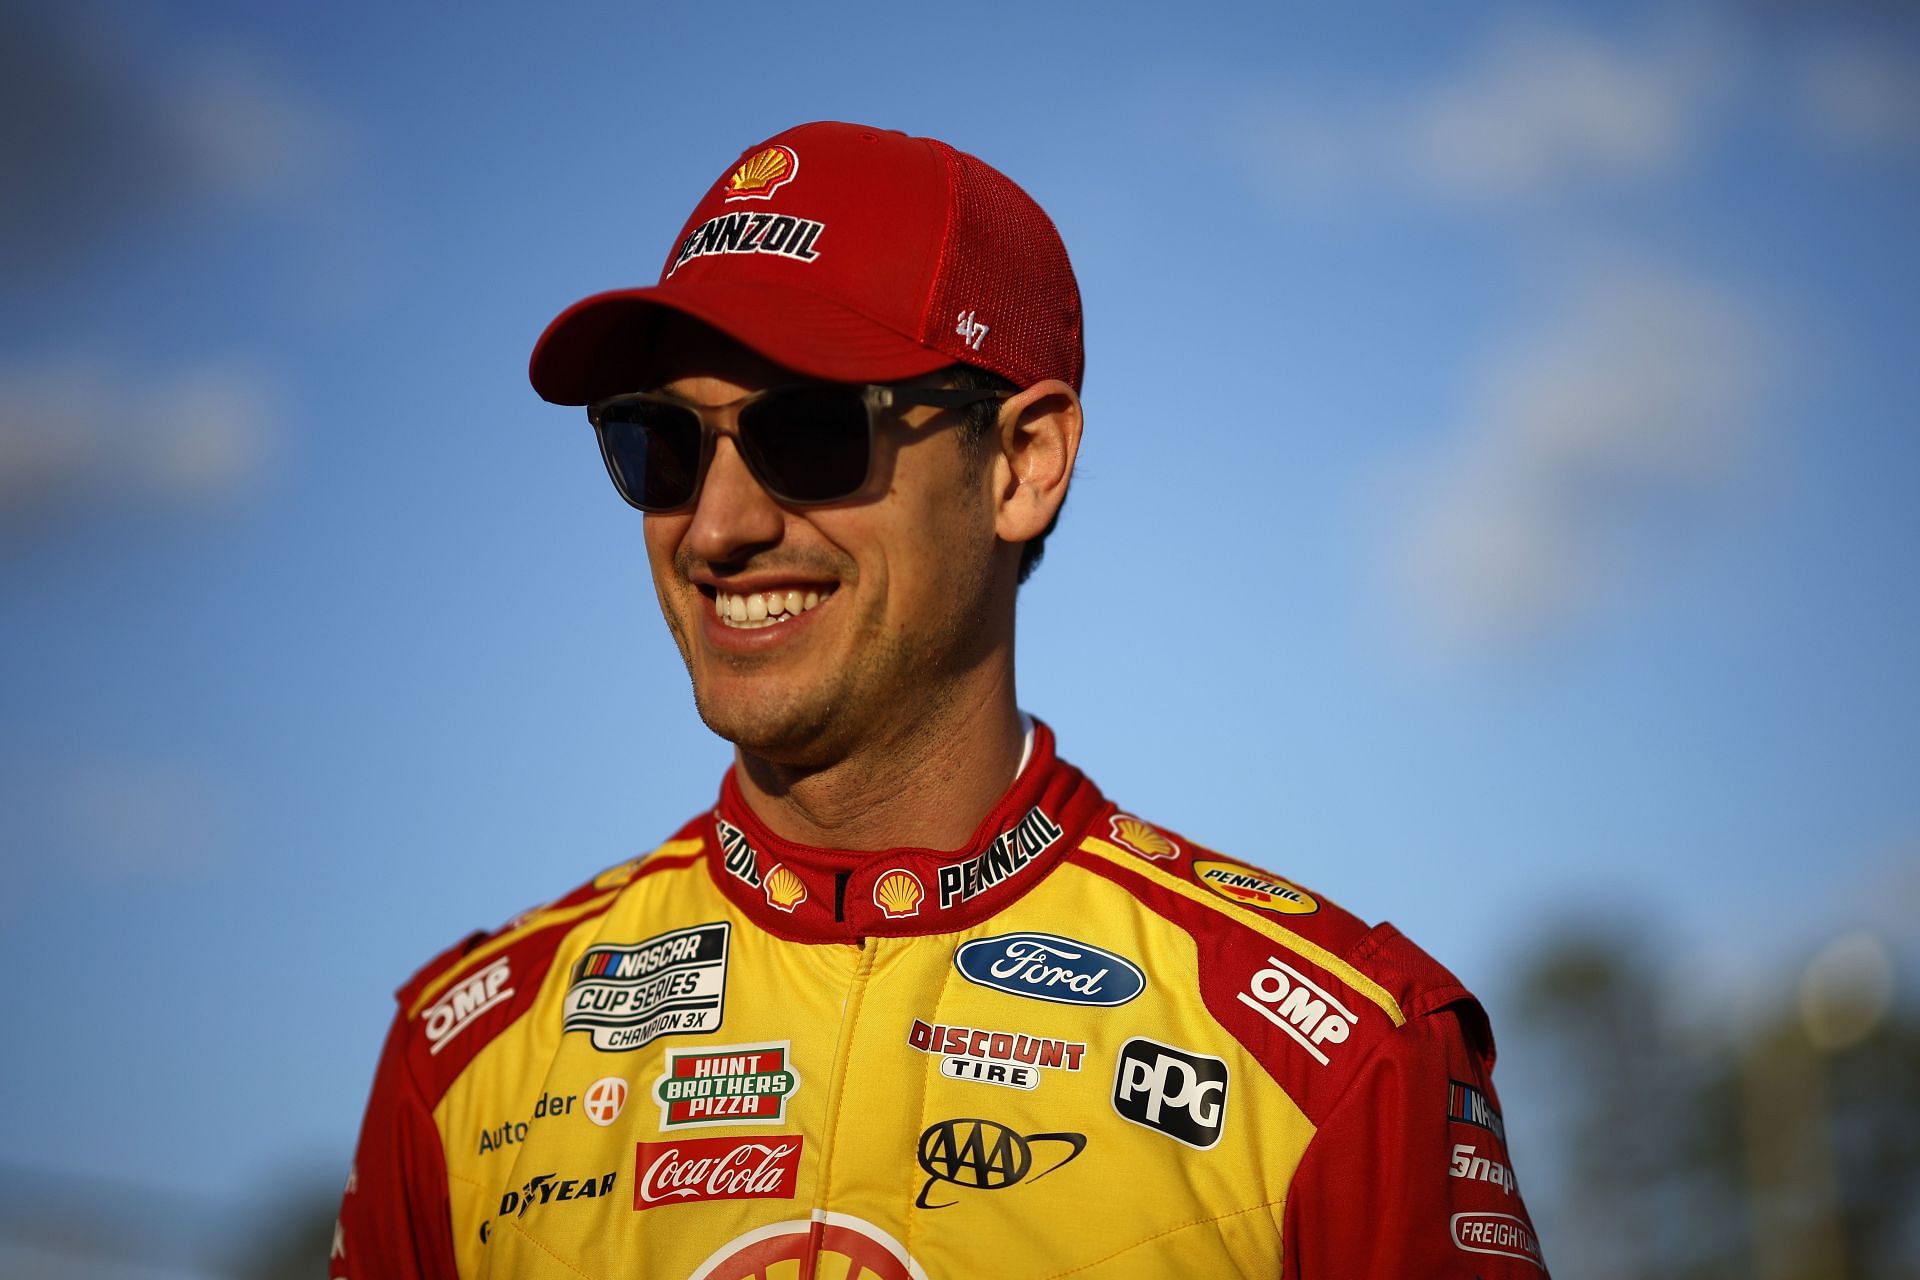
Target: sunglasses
<point>807,445</point>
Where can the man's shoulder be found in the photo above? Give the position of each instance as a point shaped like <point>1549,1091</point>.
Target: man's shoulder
<point>463,998</point>
<point>1310,986</point>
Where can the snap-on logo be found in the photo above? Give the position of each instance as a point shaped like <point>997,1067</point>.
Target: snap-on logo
<point>1046,966</point>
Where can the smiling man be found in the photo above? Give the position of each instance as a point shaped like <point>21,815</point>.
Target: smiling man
<point>912,999</point>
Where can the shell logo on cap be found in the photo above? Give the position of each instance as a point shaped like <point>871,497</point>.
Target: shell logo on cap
<point>898,894</point>
<point>785,890</point>
<point>763,173</point>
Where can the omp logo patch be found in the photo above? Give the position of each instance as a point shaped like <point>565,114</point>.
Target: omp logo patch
<point>1009,854</point>
<point>984,1155</point>
<point>727,1084</point>
<point>694,1169</point>
<point>1172,1091</point>
<point>472,996</point>
<point>626,995</point>
<point>1292,1002</point>
<point>1252,888</point>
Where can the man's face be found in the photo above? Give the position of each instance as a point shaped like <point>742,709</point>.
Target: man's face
<point>809,632</point>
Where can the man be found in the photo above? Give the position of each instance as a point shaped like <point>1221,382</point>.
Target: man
<point>913,999</point>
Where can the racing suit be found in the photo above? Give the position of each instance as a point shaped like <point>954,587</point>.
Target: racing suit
<point>1080,1045</point>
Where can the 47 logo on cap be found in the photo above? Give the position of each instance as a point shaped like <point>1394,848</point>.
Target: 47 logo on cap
<point>1172,1091</point>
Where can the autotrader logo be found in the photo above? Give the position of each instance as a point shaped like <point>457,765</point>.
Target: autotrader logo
<point>1172,1091</point>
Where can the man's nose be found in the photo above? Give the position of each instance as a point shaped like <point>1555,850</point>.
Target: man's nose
<point>734,516</point>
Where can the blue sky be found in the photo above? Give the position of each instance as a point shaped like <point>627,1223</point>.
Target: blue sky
<point>1497,497</point>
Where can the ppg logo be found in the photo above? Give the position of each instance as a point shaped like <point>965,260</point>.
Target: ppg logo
<point>1171,1091</point>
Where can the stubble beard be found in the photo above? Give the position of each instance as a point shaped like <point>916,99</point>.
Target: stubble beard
<point>888,685</point>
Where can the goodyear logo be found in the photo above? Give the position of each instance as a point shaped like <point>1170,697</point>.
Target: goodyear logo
<point>1252,888</point>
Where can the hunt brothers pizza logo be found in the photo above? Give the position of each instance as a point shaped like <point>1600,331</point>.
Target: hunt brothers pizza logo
<point>1009,853</point>
<point>695,1169</point>
<point>729,1084</point>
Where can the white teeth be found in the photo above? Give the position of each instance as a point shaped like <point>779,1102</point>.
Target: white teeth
<point>764,608</point>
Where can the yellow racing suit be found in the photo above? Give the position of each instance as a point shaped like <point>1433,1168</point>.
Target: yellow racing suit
<point>1080,1045</point>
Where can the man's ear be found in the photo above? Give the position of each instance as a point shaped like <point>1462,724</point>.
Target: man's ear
<point>1038,438</point>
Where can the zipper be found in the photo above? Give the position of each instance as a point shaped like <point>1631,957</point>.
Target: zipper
<point>840,897</point>
<point>842,1063</point>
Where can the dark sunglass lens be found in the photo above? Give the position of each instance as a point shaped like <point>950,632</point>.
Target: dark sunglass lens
<point>652,452</point>
<point>808,444</point>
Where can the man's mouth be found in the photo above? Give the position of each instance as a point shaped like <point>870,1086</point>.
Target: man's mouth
<point>756,609</point>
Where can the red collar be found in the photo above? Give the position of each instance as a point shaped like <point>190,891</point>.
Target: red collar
<point>829,895</point>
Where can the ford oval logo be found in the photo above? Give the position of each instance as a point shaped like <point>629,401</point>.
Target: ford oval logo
<point>1045,966</point>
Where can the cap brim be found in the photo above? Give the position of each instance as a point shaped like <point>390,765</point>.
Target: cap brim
<point>607,343</point>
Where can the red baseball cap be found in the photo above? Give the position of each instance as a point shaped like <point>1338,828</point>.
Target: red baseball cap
<point>847,253</point>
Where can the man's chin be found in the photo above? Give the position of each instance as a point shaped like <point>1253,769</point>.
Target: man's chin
<point>780,727</point>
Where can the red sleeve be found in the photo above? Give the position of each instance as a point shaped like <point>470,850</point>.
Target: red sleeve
<point>1409,1175</point>
<point>394,1220</point>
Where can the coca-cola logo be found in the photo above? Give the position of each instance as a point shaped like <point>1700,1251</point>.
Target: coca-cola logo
<point>716,1169</point>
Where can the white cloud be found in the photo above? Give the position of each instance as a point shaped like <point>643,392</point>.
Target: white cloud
<point>1862,97</point>
<point>78,435</point>
<point>1586,439</point>
<point>1539,110</point>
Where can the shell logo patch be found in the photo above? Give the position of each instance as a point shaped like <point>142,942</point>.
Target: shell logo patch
<point>784,889</point>
<point>1252,888</point>
<point>898,894</point>
<point>1136,836</point>
<point>763,173</point>
<point>842,1244</point>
